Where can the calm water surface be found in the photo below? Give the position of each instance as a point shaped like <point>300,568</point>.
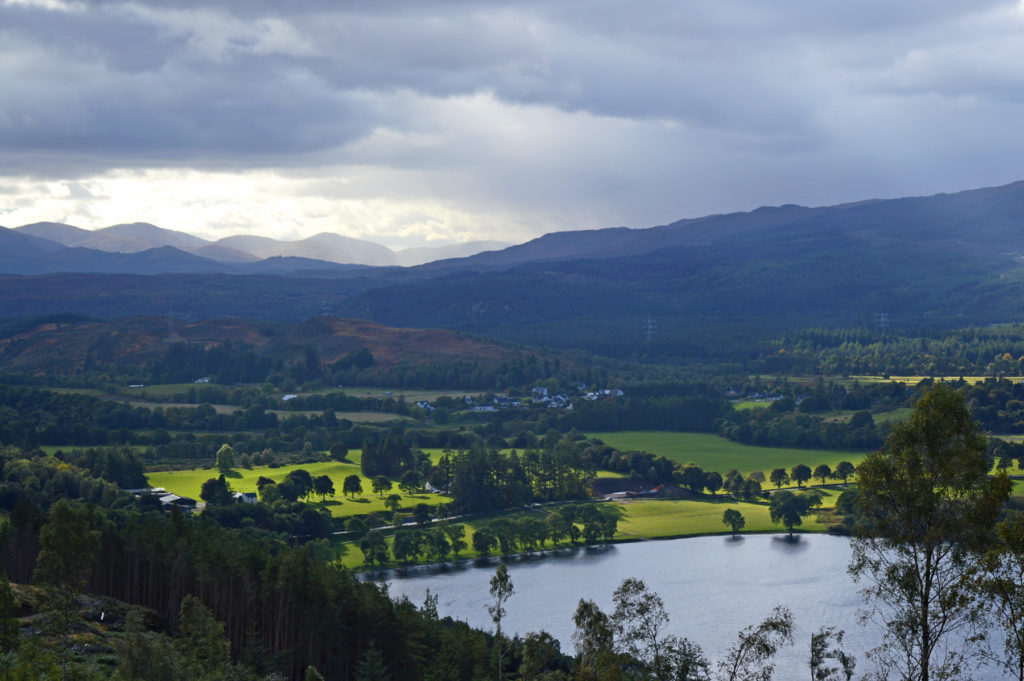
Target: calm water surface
<point>712,587</point>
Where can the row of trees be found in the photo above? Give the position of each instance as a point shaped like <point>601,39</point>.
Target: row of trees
<point>696,480</point>
<point>586,522</point>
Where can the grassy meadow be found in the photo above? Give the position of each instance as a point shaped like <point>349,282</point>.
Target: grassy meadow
<point>663,518</point>
<point>712,452</point>
<point>638,518</point>
<point>1018,488</point>
<point>189,482</point>
<point>744,405</point>
<point>641,519</point>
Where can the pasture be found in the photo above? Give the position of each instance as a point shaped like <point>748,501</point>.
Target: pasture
<point>663,518</point>
<point>744,405</point>
<point>714,453</point>
<point>639,519</point>
<point>189,483</point>
<point>1018,488</point>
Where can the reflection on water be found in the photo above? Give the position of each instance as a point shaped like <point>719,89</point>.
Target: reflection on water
<point>791,544</point>
<point>712,587</point>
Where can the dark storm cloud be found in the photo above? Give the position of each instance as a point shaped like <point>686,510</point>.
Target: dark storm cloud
<point>125,88</point>
<point>568,108</point>
<point>178,79</point>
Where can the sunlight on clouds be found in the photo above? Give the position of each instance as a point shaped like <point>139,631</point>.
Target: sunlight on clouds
<point>219,36</point>
<point>216,205</point>
<point>51,5</point>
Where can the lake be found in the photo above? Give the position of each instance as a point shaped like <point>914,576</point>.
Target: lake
<point>712,587</point>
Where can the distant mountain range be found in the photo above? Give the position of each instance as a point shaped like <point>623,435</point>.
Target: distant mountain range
<point>673,291</point>
<point>42,251</point>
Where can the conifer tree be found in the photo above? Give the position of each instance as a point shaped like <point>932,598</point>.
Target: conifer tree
<point>66,557</point>
<point>8,620</point>
<point>371,666</point>
<point>200,641</point>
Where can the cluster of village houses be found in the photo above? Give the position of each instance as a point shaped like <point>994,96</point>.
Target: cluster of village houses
<point>169,499</point>
<point>539,395</point>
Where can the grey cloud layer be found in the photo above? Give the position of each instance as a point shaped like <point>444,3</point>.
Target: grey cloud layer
<point>778,94</point>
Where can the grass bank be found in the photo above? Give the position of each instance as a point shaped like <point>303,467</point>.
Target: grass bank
<point>639,520</point>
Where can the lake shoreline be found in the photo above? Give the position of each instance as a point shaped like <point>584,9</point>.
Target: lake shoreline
<point>380,573</point>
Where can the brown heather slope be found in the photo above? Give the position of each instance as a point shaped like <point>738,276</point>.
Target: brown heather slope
<point>72,347</point>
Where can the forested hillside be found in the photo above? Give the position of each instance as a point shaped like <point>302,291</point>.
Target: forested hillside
<point>931,262</point>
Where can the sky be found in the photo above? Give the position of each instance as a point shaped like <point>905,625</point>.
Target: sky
<point>417,123</point>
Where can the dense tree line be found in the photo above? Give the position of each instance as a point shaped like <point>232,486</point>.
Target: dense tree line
<point>467,374</point>
<point>997,404</point>
<point>792,420</point>
<point>30,417</point>
<point>776,428</point>
<point>484,479</point>
<point>973,351</point>
<point>234,362</point>
<point>118,465</point>
<point>226,362</point>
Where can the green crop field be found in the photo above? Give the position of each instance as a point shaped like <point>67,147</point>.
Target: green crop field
<point>189,482</point>
<point>712,452</point>
<point>743,405</point>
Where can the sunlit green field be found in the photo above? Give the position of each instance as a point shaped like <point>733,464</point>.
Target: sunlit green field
<point>749,404</point>
<point>189,482</point>
<point>712,452</point>
<point>653,518</point>
<point>643,519</point>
